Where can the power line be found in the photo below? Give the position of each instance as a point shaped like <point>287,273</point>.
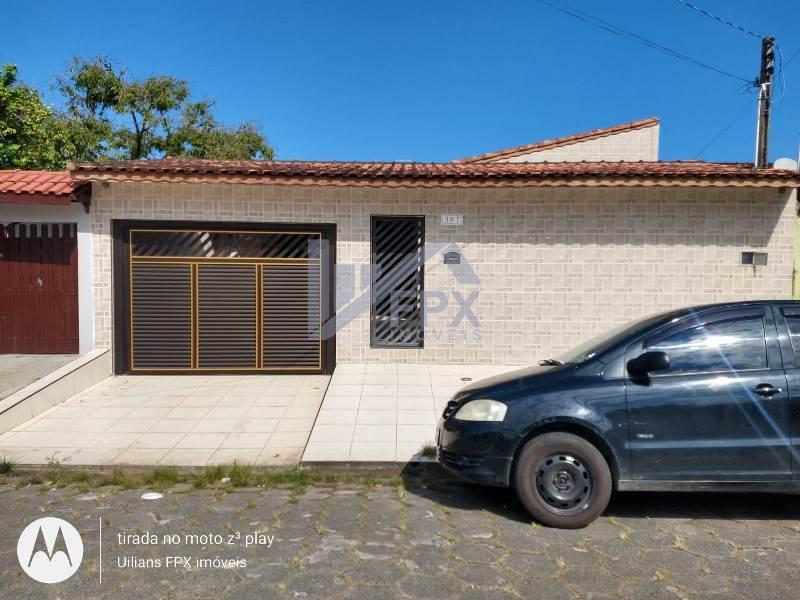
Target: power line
<point>703,11</point>
<point>724,129</point>
<point>781,74</point>
<point>791,58</point>
<point>611,28</point>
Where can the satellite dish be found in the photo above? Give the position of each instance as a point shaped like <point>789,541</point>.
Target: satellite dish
<point>785,163</point>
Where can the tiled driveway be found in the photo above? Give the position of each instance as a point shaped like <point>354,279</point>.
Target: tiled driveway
<point>184,420</point>
<point>20,370</point>
<point>386,412</point>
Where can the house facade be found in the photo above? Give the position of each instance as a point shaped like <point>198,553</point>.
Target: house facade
<point>539,267</point>
<point>505,258</point>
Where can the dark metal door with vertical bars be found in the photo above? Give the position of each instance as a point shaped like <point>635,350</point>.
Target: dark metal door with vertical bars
<point>38,288</point>
<point>225,300</point>
<point>397,281</point>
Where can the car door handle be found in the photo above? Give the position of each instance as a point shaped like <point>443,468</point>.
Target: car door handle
<point>765,389</point>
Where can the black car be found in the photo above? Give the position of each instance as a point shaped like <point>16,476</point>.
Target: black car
<point>698,399</point>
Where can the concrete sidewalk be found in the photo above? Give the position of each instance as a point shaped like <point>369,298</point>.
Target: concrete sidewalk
<point>386,412</point>
<point>185,420</point>
<point>370,413</point>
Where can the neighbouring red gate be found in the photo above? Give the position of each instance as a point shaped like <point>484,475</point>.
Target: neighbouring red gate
<point>38,288</point>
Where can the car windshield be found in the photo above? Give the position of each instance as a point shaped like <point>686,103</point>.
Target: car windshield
<point>599,343</point>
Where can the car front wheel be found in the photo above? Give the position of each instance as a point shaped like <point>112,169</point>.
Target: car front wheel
<point>562,480</point>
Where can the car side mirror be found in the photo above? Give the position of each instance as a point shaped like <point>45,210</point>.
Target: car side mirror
<point>649,362</point>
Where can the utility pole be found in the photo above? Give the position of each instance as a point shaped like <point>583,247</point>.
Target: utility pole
<point>764,100</point>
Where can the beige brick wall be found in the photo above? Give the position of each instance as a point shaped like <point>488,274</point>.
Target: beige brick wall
<point>638,144</point>
<point>554,266</point>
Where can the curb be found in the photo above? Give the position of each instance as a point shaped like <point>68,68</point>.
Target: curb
<point>371,467</point>
<point>361,468</point>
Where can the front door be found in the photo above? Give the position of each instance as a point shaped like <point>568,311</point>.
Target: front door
<point>720,411</point>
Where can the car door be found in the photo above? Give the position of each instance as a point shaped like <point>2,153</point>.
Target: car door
<point>787,319</point>
<point>719,412</point>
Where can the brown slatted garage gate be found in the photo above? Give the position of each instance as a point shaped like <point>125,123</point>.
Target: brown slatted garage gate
<point>220,298</point>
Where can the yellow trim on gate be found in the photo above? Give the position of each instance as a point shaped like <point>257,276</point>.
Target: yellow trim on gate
<point>222,259</point>
<point>194,262</point>
<point>257,310</point>
<point>238,231</point>
<point>195,301</point>
<point>130,293</point>
<point>188,260</point>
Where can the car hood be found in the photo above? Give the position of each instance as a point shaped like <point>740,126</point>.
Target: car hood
<point>514,381</point>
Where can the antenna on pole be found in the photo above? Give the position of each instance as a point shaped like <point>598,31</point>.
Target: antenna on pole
<point>764,100</point>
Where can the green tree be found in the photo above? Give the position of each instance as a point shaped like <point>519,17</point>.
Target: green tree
<point>31,137</point>
<point>108,114</point>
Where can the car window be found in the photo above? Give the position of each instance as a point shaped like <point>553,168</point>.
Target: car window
<point>599,343</point>
<point>732,344</point>
<point>793,323</point>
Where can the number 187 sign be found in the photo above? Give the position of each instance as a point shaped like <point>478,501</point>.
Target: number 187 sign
<point>452,219</point>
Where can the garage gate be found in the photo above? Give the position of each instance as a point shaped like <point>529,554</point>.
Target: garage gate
<point>38,288</point>
<point>222,298</point>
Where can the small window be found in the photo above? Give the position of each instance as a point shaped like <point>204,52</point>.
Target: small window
<point>755,259</point>
<point>397,281</point>
<point>735,344</point>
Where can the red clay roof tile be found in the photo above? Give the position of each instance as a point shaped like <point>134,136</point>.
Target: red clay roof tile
<point>57,183</point>
<point>439,174</point>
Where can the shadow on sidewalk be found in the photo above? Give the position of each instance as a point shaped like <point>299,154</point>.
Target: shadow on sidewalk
<point>434,483</point>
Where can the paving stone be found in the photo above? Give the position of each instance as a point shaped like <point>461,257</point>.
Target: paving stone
<point>531,587</point>
<point>476,553</point>
<point>481,575</point>
<point>590,581</point>
<point>575,556</point>
<point>484,594</point>
<point>358,542</point>
<point>424,586</point>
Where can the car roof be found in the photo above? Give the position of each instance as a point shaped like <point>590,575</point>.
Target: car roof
<point>674,313</point>
<point>736,303</point>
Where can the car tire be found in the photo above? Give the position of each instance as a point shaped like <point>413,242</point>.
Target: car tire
<point>563,480</point>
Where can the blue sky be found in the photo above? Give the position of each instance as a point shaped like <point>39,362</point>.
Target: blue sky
<point>432,80</point>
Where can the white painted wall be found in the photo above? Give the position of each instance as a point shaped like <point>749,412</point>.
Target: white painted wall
<point>66,214</point>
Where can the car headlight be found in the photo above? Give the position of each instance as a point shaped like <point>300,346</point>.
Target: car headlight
<point>482,410</point>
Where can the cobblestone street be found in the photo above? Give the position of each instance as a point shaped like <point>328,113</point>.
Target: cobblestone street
<point>430,537</point>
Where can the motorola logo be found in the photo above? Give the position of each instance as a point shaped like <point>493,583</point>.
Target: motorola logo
<point>50,550</point>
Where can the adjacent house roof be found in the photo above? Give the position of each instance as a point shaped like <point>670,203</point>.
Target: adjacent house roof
<point>40,187</point>
<point>562,141</point>
<point>376,174</point>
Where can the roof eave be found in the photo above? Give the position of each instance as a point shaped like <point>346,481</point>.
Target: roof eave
<point>101,175</point>
<point>36,198</point>
<point>79,194</point>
